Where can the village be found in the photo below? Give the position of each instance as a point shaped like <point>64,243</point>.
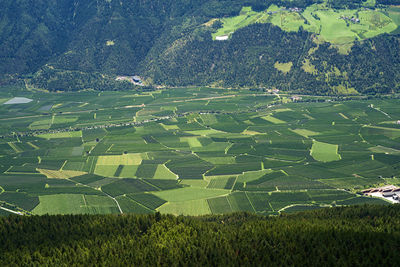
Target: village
<point>352,19</point>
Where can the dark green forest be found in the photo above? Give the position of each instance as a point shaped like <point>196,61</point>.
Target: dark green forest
<point>83,44</point>
<point>356,236</point>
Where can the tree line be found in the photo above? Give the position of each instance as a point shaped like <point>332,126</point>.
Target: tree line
<point>341,236</point>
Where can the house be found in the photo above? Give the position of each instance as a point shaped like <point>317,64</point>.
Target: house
<point>295,9</point>
<point>398,122</point>
<point>296,98</point>
<point>222,38</point>
<point>136,79</point>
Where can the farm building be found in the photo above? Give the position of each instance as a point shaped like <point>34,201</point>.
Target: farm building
<point>389,192</point>
<point>222,38</point>
<point>132,79</point>
<point>296,98</point>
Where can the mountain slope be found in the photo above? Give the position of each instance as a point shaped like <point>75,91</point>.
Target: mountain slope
<point>73,45</point>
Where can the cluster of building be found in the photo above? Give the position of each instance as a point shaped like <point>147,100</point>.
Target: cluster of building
<point>352,19</point>
<point>389,192</point>
<point>132,79</point>
<point>291,9</point>
<point>295,9</point>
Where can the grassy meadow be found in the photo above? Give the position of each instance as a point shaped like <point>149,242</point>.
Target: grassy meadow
<point>330,25</point>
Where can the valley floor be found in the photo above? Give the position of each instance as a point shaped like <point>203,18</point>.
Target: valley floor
<point>193,151</point>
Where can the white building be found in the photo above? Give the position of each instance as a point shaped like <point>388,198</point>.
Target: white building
<point>222,38</point>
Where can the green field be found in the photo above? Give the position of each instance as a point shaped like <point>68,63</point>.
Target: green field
<point>191,207</point>
<point>201,159</point>
<point>187,194</point>
<point>324,152</point>
<point>74,204</point>
<point>272,119</point>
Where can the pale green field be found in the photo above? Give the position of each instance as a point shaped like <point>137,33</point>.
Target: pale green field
<point>217,146</point>
<point>40,124</point>
<point>246,17</point>
<point>204,132</point>
<point>105,170</point>
<point>192,141</point>
<point>128,171</point>
<point>273,119</point>
<point>324,152</point>
<point>60,204</point>
<point>304,132</point>
<point>62,174</point>
<point>124,159</point>
<point>64,119</point>
<point>194,183</point>
<point>188,193</point>
<point>252,175</point>
<point>192,208</point>
<point>219,183</point>
<point>61,135</point>
<point>171,108</point>
<point>247,132</point>
<point>74,204</point>
<point>169,127</point>
<point>163,172</point>
<point>208,119</point>
<point>282,110</point>
<point>100,204</point>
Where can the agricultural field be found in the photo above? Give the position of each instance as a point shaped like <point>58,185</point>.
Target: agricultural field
<point>338,27</point>
<point>192,151</point>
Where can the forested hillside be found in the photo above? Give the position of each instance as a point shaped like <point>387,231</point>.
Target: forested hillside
<point>84,44</point>
<point>361,236</point>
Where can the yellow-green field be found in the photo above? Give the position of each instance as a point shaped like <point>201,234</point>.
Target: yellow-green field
<point>163,172</point>
<point>190,208</point>
<point>283,67</point>
<point>124,159</point>
<point>304,132</point>
<point>324,152</point>
<point>61,174</point>
<point>74,204</point>
<point>273,119</point>
<point>192,141</point>
<point>189,193</point>
<point>61,135</point>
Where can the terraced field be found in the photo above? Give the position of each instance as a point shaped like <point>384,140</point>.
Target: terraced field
<point>175,152</point>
